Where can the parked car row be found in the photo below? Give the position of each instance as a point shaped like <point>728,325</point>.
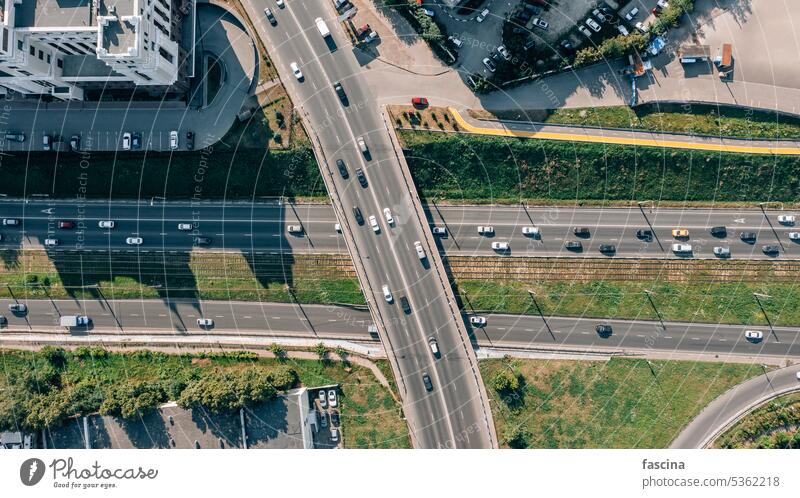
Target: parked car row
<point>130,141</point>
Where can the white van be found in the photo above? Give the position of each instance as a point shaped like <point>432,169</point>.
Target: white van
<point>322,27</point>
<point>387,294</point>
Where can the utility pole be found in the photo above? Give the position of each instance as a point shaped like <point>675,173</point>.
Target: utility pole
<point>649,295</point>
<point>547,325</point>
<point>756,295</point>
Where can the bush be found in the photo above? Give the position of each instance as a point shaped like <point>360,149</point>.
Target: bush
<point>611,48</point>
<point>132,398</point>
<point>283,378</point>
<point>223,391</point>
<point>505,381</point>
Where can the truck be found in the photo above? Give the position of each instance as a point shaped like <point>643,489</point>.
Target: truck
<point>71,321</point>
<point>322,27</point>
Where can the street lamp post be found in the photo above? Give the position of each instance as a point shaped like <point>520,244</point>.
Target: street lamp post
<point>757,297</point>
<point>535,303</point>
<point>649,295</point>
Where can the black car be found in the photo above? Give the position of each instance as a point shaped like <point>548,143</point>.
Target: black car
<point>603,329</point>
<point>573,245</point>
<point>337,86</point>
<point>608,248</point>
<point>404,304</point>
<point>771,250</point>
<point>362,178</point>
<point>202,241</point>
<point>581,231</point>
<point>644,234</point>
<point>719,231</point>
<point>189,140</point>
<point>358,215</point>
<point>270,17</point>
<point>427,381</point>
<point>335,418</point>
<point>136,141</point>
<point>75,143</point>
<point>748,237</point>
<point>342,169</point>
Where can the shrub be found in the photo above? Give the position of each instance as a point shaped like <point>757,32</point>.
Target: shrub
<point>132,398</point>
<point>222,391</point>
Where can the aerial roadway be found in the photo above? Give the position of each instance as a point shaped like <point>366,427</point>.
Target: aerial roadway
<point>444,400</point>
<point>313,228</point>
<point>182,318</point>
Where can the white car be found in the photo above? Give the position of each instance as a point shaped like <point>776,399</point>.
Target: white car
<point>434,347</point>
<point>440,231</point>
<point>173,140</point>
<point>362,145</point>
<point>133,241</point>
<point>10,222</point>
<point>794,235</point>
<point>786,219</point>
<point>388,214</point>
<point>456,41</point>
<point>504,52</point>
<point>753,335</point>
<point>593,24</point>
<point>296,70</point>
<point>294,229</point>
<point>478,321</point>
<point>387,294</point>
<point>205,322</point>
<point>623,30</point>
<point>681,248</point>
<point>722,251</point>
<point>184,227</point>
<point>531,232</point>
<point>500,246</point>
<point>323,402</point>
<point>485,230</point>
<point>429,12</point>
<point>583,29</point>
<point>540,23</point>
<point>126,141</point>
<point>332,398</point>
<point>280,3</point>
<point>642,27</point>
<point>484,13</point>
<point>334,434</point>
<point>630,15</point>
<point>489,64</point>
<point>50,242</point>
<point>338,227</point>
<point>663,4</point>
<point>420,250</point>
<point>373,222</point>
<point>106,224</point>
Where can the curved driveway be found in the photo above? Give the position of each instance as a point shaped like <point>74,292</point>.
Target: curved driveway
<point>731,406</point>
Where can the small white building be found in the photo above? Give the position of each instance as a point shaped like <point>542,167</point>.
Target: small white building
<point>61,47</point>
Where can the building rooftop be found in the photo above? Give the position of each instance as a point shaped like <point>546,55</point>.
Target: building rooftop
<point>276,424</point>
<point>696,51</point>
<point>67,13</point>
<point>82,66</point>
<point>119,36</point>
<point>54,13</point>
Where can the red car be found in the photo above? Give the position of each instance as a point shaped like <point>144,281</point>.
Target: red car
<point>420,102</point>
<point>66,224</point>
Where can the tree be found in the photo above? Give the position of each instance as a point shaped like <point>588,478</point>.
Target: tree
<point>321,350</point>
<point>224,390</point>
<point>505,381</point>
<point>131,398</point>
<point>283,377</point>
<point>278,350</point>
<point>519,438</point>
<point>56,357</point>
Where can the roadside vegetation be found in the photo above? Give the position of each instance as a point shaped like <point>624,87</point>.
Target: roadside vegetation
<point>44,388</point>
<point>228,276</point>
<point>621,403</point>
<point>775,425</point>
<point>694,119</point>
<point>485,169</point>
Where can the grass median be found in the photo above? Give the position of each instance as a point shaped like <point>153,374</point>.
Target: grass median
<point>774,425</point>
<point>484,169</point>
<point>693,119</point>
<point>621,403</point>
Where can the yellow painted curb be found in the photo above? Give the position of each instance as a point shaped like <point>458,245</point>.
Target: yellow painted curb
<point>644,142</point>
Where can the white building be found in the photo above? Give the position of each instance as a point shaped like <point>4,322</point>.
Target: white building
<point>62,47</point>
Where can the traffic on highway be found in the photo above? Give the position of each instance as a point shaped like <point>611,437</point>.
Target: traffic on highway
<point>458,230</point>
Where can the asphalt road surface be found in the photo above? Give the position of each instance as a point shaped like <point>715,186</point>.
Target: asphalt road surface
<point>454,412</point>
<point>724,410</point>
<point>179,317</point>
<point>263,226</point>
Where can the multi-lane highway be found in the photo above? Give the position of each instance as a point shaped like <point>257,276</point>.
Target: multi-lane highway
<point>452,409</point>
<point>262,226</point>
<point>523,332</point>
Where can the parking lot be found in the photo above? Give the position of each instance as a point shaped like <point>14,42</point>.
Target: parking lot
<point>326,403</point>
